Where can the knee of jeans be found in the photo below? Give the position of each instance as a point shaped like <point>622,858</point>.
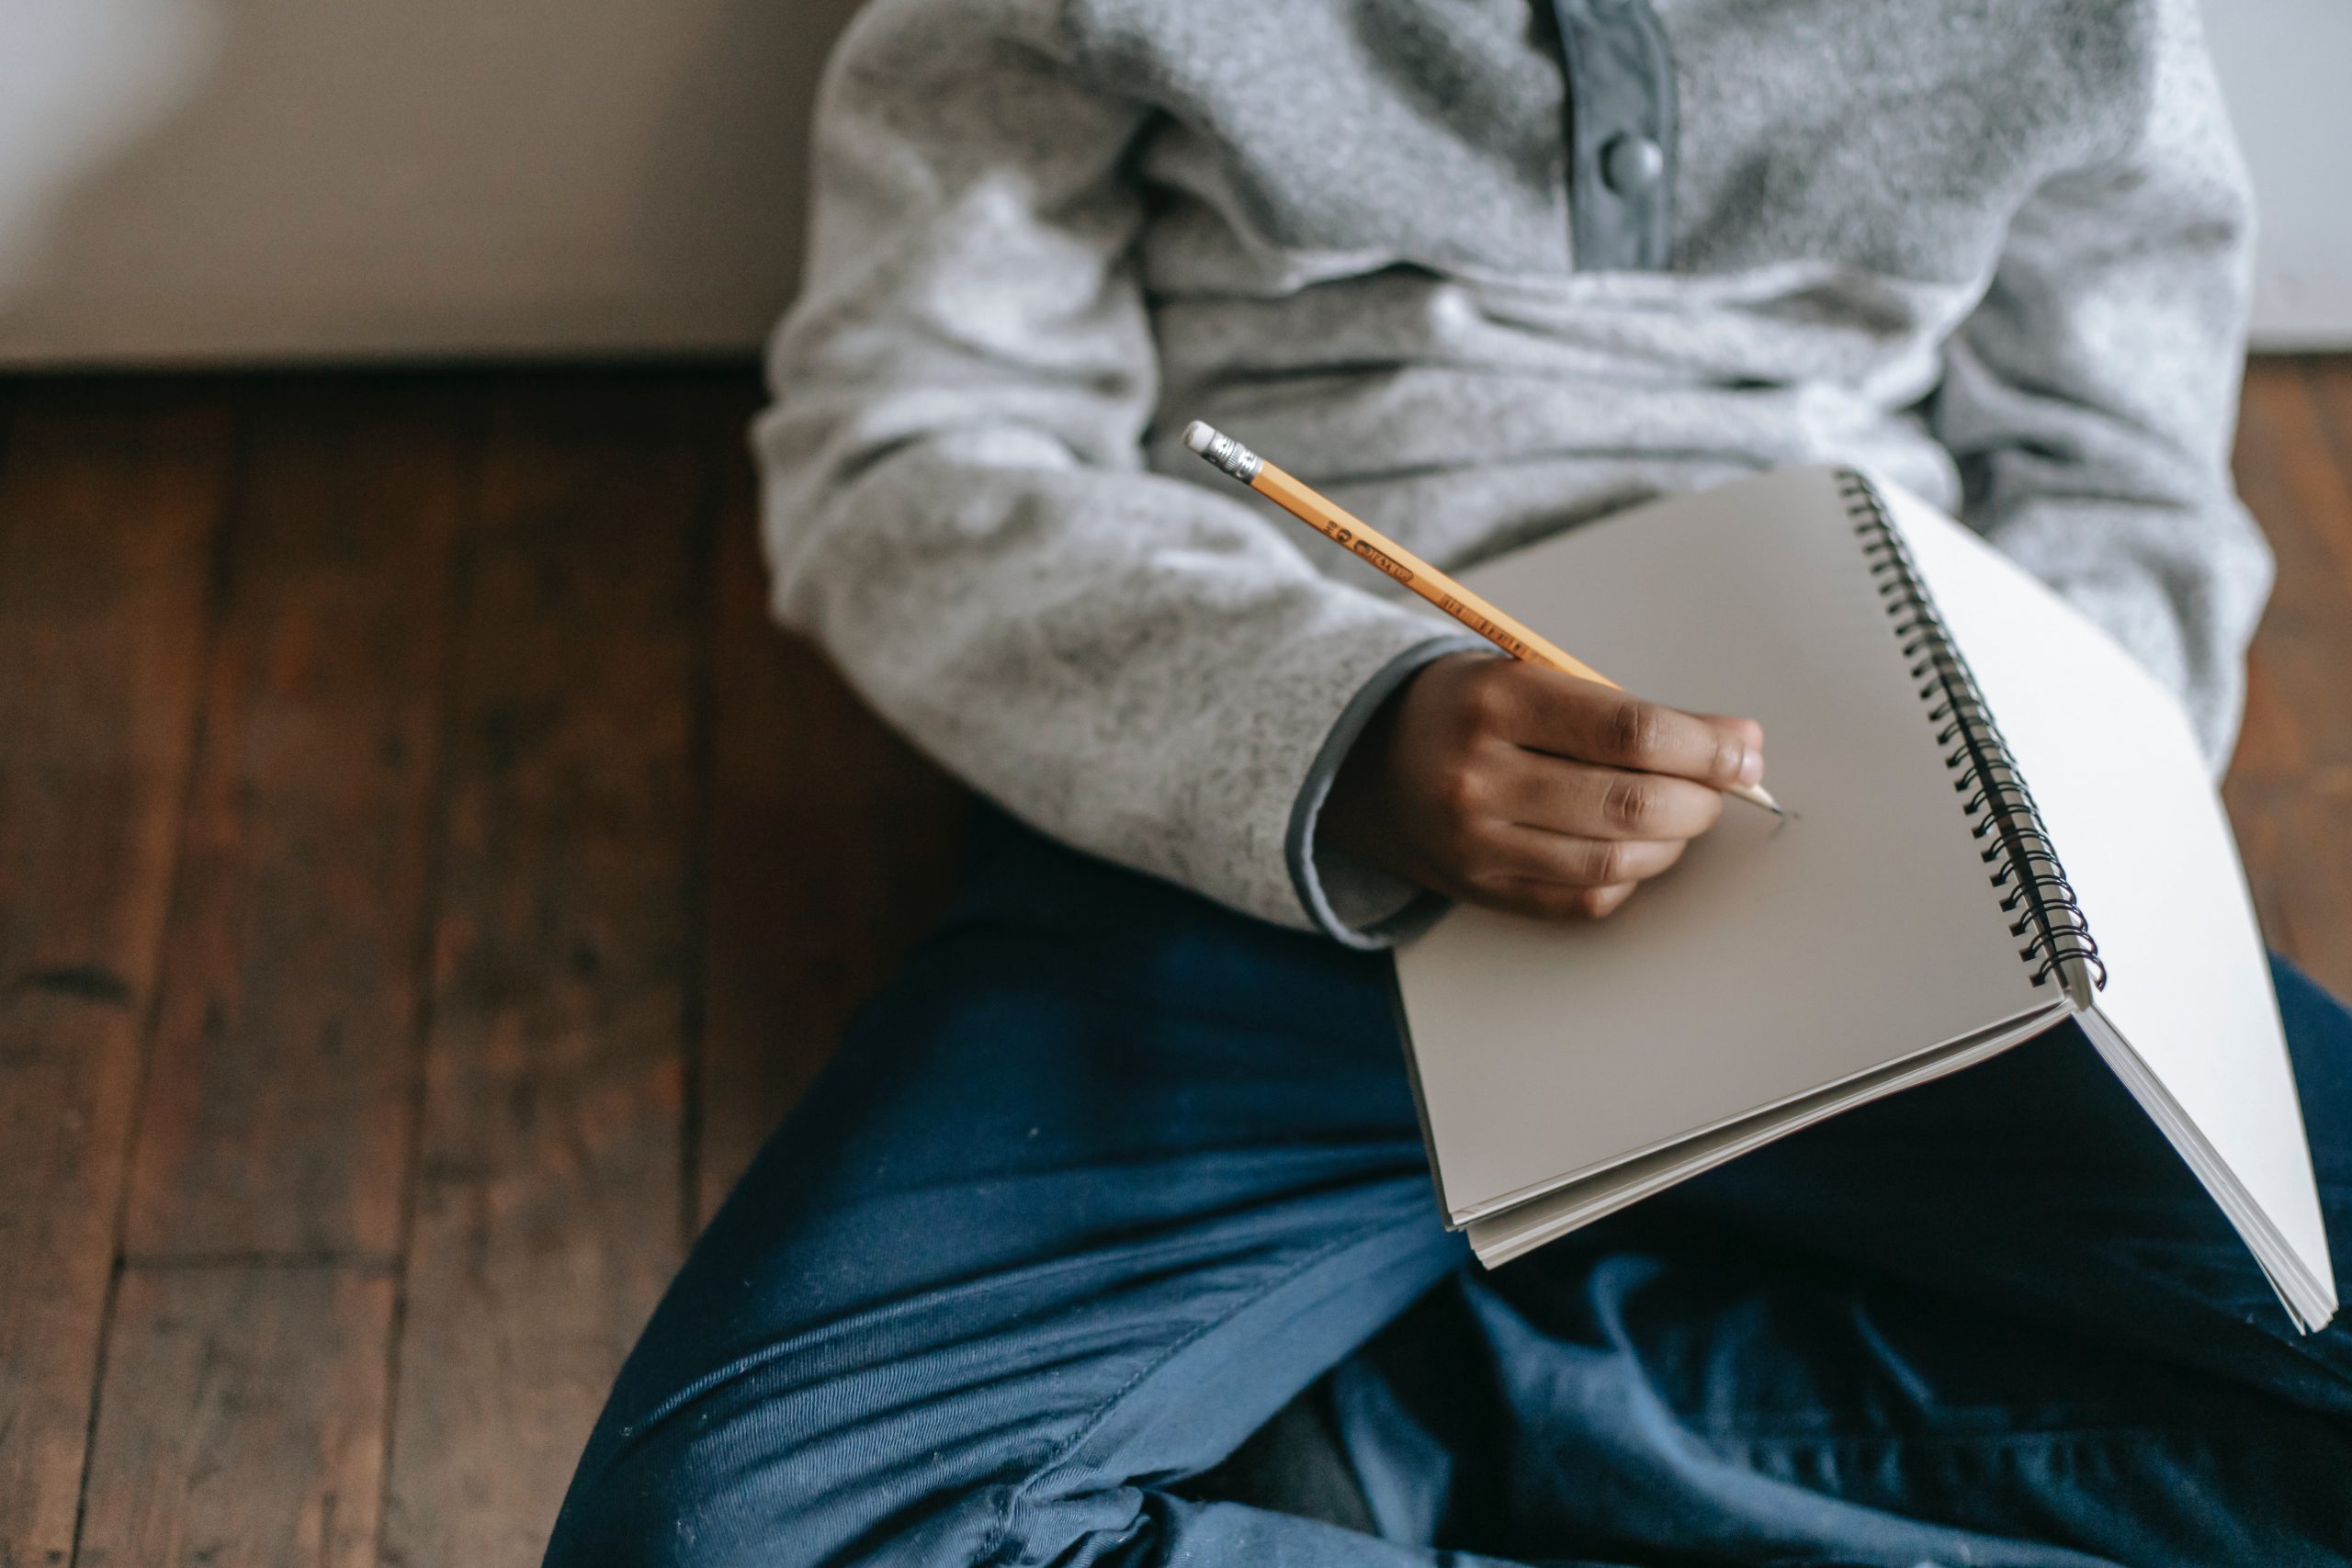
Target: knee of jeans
<point>645,1511</point>
<point>724,1493</point>
<point>730,1488</point>
<point>701,1488</point>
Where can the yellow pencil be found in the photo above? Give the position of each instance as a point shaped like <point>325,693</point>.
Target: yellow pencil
<point>1351,533</point>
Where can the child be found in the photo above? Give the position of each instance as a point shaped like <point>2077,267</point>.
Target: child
<point>1121,1172</point>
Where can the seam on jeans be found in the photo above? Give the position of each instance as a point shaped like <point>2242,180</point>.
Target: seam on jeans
<point>1329,1167</point>
<point>1001,1532</point>
<point>634,1435</point>
<point>2197,1429</point>
<point>743,1366</point>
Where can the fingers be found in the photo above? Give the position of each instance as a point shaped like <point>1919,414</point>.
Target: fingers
<point>1520,788</point>
<point>1530,854</point>
<point>1545,711</point>
<point>1555,877</point>
<point>1603,803</point>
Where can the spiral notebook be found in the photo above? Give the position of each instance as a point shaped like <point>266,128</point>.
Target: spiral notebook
<point>2002,821</point>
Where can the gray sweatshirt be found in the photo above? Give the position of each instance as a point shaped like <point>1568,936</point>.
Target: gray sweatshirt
<point>1481,270</point>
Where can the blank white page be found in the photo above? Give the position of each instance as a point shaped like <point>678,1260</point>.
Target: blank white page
<point>2123,790</point>
<point>1775,959</point>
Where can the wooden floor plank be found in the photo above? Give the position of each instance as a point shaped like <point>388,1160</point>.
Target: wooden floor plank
<point>2294,484</point>
<point>2290,784</point>
<point>2308,879</point>
<point>549,1209</point>
<point>277,1111</point>
<point>2295,845</point>
<point>2329,377</point>
<point>107,514</point>
<point>831,846</point>
<point>241,1421</point>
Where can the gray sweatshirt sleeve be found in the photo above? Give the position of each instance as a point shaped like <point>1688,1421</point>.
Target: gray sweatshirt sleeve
<point>2090,399</point>
<point>956,505</point>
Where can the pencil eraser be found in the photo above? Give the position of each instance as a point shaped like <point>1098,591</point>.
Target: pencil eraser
<point>1198,436</point>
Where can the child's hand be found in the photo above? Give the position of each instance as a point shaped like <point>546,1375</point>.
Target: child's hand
<point>1502,783</point>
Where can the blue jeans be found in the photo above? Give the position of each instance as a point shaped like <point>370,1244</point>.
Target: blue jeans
<point>1111,1178</point>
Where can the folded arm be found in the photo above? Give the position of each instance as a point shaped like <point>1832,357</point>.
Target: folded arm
<point>955,501</point>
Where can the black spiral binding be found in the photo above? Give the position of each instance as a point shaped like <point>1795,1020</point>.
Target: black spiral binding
<point>2033,886</point>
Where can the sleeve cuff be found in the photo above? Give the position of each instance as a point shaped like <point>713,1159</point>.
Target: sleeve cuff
<point>1355,904</point>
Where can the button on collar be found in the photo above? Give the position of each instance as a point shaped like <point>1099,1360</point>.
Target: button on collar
<point>1631,163</point>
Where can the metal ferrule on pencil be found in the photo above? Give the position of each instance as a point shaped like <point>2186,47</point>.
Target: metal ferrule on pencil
<point>1223,450</point>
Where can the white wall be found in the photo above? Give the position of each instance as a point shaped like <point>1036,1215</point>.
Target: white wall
<point>267,179</point>
<point>2287,66</point>
<point>201,180</point>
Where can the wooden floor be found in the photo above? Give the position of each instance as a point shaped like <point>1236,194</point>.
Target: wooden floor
<point>423,879</point>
